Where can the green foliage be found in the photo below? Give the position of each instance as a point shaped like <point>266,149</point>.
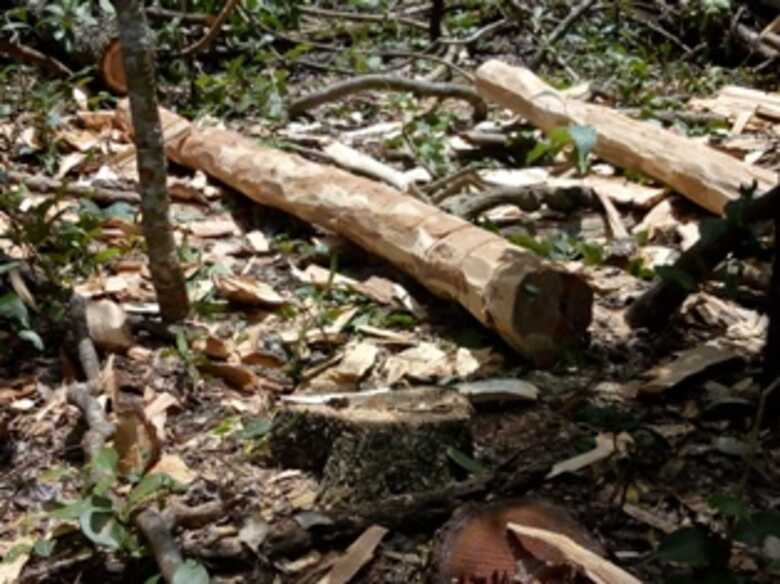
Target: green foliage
<point>583,138</point>
<point>682,279</point>
<point>465,461</point>
<point>241,88</point>
<point>692,546</point>
<point>560,247</point>
<point>60,244</point>
<point>191,572</point>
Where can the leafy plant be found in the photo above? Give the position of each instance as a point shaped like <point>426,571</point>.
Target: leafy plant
<point>560,247</point>
<point>583,138</point>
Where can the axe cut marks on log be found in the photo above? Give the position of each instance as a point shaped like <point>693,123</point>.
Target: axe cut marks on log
<point>704,175</point>
<point>538,309</point>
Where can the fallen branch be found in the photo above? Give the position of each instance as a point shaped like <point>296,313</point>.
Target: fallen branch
<point>156,527</point>
<point>45,184</point>
<point>362,17</point>
<point>528,198</point>
<point>706,176</point>
<point>659,303</point>
<point>157,532</point>
<point>389,83</point>
<point>561,30</point>
<point>213,31</point>
<point>29,55</point>
<point>535,307</point>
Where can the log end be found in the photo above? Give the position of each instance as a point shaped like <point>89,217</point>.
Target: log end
<point>550,314</point>
<point>112,69</point>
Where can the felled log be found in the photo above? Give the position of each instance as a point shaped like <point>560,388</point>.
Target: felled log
<point>654,308</point>
<point>704,175</point>
<point>538,309</point>
<point>93,43</point>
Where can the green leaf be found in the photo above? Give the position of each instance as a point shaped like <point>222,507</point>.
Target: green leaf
<point>107,7</point>
<point>153,579</point>
<point>692,546</point>
<point>106,255</point>
<point>754,530</point>
<point>33,338</point>
<point>102,528</point>
<point>682,279</point>
<point>191,572</point>
<point>72,510</point>
<point>148,486</point>
<point>8,266</point>
<point>464,461</point>
<point>729,506</point>
<point>584,138</point>
<point>256,428</point>
<point>44,547</point>
<point>105,464</point>
<point>12,307</point>
<point>16,552</point>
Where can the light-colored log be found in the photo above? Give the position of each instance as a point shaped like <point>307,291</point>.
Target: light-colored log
<point>538,309</point>
<point>704,175</point>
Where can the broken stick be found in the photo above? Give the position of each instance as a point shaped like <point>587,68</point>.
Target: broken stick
<point>538,309</point>
<point>704,175</point>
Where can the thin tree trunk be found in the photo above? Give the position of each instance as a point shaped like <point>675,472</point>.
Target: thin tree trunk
<point>137,55</point>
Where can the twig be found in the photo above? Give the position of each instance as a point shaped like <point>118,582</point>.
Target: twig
<point>358,16</point>
<point>213,32</point>
<point>166,14</point>
<point>157,531</point>
<point>390,83</point>
<point>98,194</point>
<point>528,198</point>
<point>484,32</point>
<point>79,334</point>
<point>561,30</point>
<point>30,55</point>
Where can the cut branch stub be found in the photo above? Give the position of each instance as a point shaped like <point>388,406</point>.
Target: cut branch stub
<point>538,309</point>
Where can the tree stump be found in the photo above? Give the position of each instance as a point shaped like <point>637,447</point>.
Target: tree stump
<point>375,444</point>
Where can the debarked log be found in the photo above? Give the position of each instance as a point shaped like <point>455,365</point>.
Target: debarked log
<point>539,309</point>
<point>706,176</point>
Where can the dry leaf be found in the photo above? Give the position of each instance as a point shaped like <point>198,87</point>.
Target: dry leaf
<point>357,555</point>
<point>258,241</point>
<point>214,228</point>
<point>246,290</point>
<point>174,467</point>
<point>236,376</point>
<point>425,362</point>
<point>108,326</point>
<point>135,439</point>
<point>688,363</point>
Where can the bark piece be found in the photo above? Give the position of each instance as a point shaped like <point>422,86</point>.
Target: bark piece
<point>708,177</point>
<point>536,308</point>
<point>733,100</point>
<point>374,444</point>
<point>686,365</point>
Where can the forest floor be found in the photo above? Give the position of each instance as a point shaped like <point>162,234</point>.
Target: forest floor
<point>679,481</point>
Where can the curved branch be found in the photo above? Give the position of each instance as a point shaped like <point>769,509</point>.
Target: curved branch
<point>209,37</point>
<point>388,83</point>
